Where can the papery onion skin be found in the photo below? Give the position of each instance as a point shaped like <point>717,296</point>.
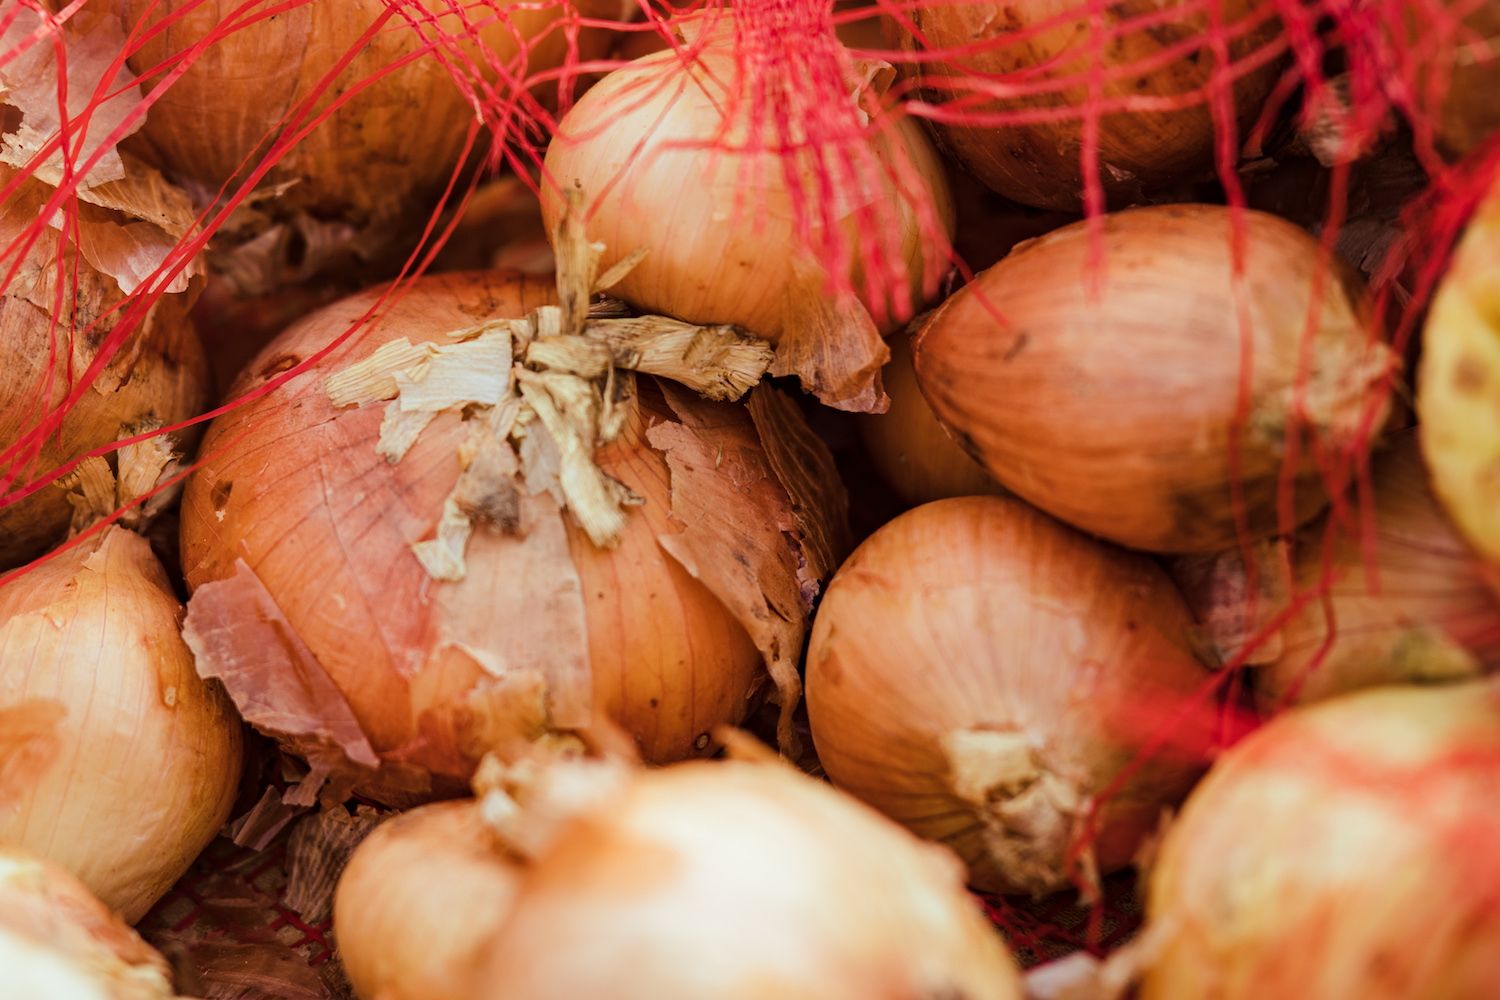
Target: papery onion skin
<point>325,523</point>
<point>977,622</point>
<point>419,901</point>
<point>731,880</point>
<point>1039,163</point>
<point>139,762</point>
<point>1344,850</point>
<point>1118,415</point>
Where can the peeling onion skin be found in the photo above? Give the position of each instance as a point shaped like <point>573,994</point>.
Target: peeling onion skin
<point>980,619</point>
<point>739,881</point>
<point>325,523</point>
<point>134,761</point>
<point>1116,416</point>
<point>420,900</point>
<point>1038,163</point>
<point>1345,850</point>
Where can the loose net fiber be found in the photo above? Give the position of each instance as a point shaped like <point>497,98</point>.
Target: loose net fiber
<point>1342,82</point>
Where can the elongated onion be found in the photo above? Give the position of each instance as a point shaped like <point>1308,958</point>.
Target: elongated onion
<point>1345,850</point>
<point>121,764</point>
<point>1122,414</point>
<point>980,673</point>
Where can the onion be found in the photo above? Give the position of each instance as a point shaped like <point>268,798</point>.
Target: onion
<point>741,233</point>
<point>911,451</point>
<point>57,941</point>
<point>121,763</point>
<point>421,662</point>
<point>1045,49</point>
<point>737,880</point>
<point>1122,414</point>
<point>1469,110</point>
<point>1344,850</point>
<point>981,673</point>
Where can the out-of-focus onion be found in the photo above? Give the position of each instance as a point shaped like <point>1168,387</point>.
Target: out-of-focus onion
<point>1049,60</point>
<point>1121,414</point>
<point>1346,850</point>
<point>912,452</point>
<point>980,673</point>
<point>732,881</point>
<point>60,943</point>
<point>719,206</point>
<point>121,764</point>
<point>1469,110</point>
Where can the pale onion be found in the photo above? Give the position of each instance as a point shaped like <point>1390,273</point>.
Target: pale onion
<point>662,169</point>
<point>981,673</point>
<point>911,451</point>
<point>423,675</point>
<point>58,942</point>
<point>125,763</point>
<point>1118,414</point>
<point>1049,61</point>
<point>1346,850</point>
<point>741,881</point>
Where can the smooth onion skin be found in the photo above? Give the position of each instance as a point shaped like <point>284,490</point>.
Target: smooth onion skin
<point>983,615</point>
<point>419,902</point>
<point>325,523</point>
<point>145,756</point>
<point>739,881</point>
<point>1039,163</point>
<point>1345,850</point>
<point>1116,414</point>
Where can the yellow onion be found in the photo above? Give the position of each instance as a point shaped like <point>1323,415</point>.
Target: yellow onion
<point>1049,61</point>
<point>1122,412</point>
<point>667,153</point>
<point>59,942</point>
<point>720,880</point>
<point>1468,107</point>
<point>1345,850</point>
<point>911,451</point>
<point>121,763</point>
<point>982,674</point>
<point>295,519</point>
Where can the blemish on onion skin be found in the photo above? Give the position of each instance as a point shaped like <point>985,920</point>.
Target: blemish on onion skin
<point>169,696</point>
<point>1468,376</point>
<point>702,741</point>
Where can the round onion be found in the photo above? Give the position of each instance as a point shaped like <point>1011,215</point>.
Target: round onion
<point>1050,59</point>
<point>1119,413</point>
<point>981,674</point>
<point>1344,850</point>
<point>122,764</point>
<point>724,880</point>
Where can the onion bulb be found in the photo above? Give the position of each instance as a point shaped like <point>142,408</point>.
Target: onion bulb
<point>59,942</point>
<point>1344,850</point>
<point>1122,413</point>
<point>911,451</point>
<point>981,673</point>
<point>121,763</point>
<point>1469,110</point>
<point>682,155</point>
<point>1044,50</point>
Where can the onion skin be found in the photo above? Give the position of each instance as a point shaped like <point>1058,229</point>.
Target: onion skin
<point>723,881</point>
<point>1117,415</point>
<point>419,901</point>
<point>1469,112</point>
<point>1039,163</point>
<point>980,615</point>
<point>1344,850</point>
<point>325,523</point>
<point>139,758</point>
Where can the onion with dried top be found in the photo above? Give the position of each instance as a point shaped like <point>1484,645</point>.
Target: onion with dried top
<point>1121,413</point>
<point>982,673</point>
<point>121,764</point>
<point>1346,850</point>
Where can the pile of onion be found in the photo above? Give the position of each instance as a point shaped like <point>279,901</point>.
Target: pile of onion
<point>121,763</point>
<point>1152,396</point>
<point>983,675</point>
<point>1030,146</point>
<point>765,193</point>
<point>1345,850</point>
